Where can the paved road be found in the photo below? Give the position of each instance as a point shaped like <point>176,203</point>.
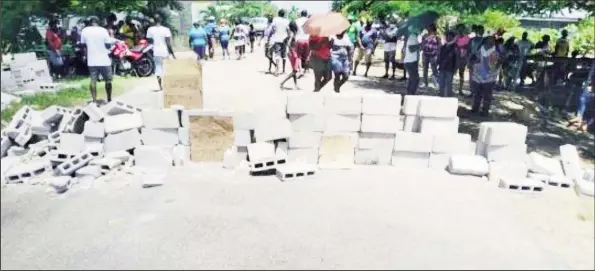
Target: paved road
<point>368,217</point>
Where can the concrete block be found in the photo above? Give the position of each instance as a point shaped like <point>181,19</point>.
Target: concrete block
<point>267,164</point>
<point>336,152</point>
<point>154,157</point>
<point>242,153</point>
<point>571,162</point>
<point>94,129</point>
<point>291,172</point>
<point>122,122</point>
<point>516,152</point>
<point>91,170</point>
<point>71,143</point>
<point>452,144</point>
<point>468,165</point>
<point>304,139</point>
<point>381,124</point>
<point>504,169</point>
<point>5,145</point>
<point>106,165</point>
<point>559,181</point>
<point>161,119</point>
<point>411,124</point>
<point>93,112</point>
<point>60,184</point>
<point>413,142</point>
<point>230,159</point>
<point>544,165</point>
<point>303,155</point>
<point>307,122</point>
<point>242,138</point>
<point>95,149</point>
<point>25,134</point>
<point>403,159</point>
<point>6,164</point>
<point>521,184</point>
<point>271,128</point>
<point>23,172</point>
<point>381,104</point>
<point>342,123</point>
<point>66,119</point>
<point>305,103</point>
<point>538,176</point>
<point>439,161</point>
<point>411,103</point>
<point>53,114</point>
<point>19,129</point>
<point>438,107</point>
<point>244,121</point>
<point>57,157</point>
<point>69,166</point>
<point>184,136</point>
<point>343,104</point>
<point>378,156</point>
<point>123,156</point>
<point>439,126</point>
<point>353,136</point>
<point>375,141</point>
<point>123,141</point>
<point>261,151</point>
<point>506,134</point>
<point>24,58</point>
<point>14,151</point>
<point>117,107</point>
<point>76,123</point>
<point>38,126</point>
<point>282,146</point>
<point>158,137</point>
<point>181,155</point>
<point>584,187</point>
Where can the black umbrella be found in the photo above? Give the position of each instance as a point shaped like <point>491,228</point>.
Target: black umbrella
<point>420,22</point>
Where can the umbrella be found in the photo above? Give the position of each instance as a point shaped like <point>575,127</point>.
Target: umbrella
<point>420,22</point>
<point>325,25</point>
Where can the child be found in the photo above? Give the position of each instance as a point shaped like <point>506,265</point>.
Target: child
<point>294,60</point>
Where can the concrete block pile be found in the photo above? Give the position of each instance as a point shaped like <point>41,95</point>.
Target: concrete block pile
<point>26,75</point>
<point>89,142</point>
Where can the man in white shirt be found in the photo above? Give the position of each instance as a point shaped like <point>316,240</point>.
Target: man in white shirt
<point>303,50</point>
<point>97,41</point>
<point>160,37</point>
<point>411,60</point>
<point>279,37</point>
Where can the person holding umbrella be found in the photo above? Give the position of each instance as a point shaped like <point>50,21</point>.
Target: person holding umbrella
<point>411,60</point>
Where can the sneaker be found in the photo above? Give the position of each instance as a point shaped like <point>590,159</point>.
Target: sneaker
<point>385,76</point>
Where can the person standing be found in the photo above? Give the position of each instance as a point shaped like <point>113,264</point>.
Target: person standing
<point>240,38</point>
<point>430,44</point>
<point>129,32</point>
<point>511,64</point>
<point>224,34</point>
<point>411,60</point>
<point>198,40</point>
<point>447,65</point>
<point>279,38</point>
<point>484,76</point>
<point>367,40</point>
<point>303,50</point>
<point>390,48</point>
<point>320,61</point>
<point>98,42</point>
<point>210,28</point>
<point>294,60</point>
<point>353,32</point>
<point>462,43</point>
<point>252,37</point>
<point>525,46</point>
<point>341,58</point>
<point>561,49</point>
<point>54,47</point>
<point>268,46</point>
<point>473,48</point>
<point>160,37</point>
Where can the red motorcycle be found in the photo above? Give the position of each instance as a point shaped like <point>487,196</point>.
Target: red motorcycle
<point>137,60</point>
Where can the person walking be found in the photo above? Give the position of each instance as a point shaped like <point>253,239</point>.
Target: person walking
<point>198,40</point>
<point>251,37</point>
<point>485,74</point>
<point>341,58</point>
<point>224,34</point>
<point>303,50</point>
<point>353,32</point>
<point>462,43</point>
<point>294,59</point>
<point>367,40</point>
<point>97,41</point>
<point>390,48</point>
<point>211,30</point>
<point>268,46</point>
<point>430,44</point>
<point>411,60</point>
<point>320,61</point>
<point>447,65</point>
<point>160,37</point>
<point>240,38</point>
<point>54,47</point>
<point>279,37</point>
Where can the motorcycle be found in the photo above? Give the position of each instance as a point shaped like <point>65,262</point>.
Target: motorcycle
<point>137,60</point>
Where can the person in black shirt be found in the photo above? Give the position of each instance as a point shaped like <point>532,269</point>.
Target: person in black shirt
<point>447,65</point>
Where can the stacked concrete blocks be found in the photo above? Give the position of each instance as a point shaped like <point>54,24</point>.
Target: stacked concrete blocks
<point>380,122</point>
<point>307,119</point>
<point>412,150</point>
<point>503,145</point>
<point>263,157</point>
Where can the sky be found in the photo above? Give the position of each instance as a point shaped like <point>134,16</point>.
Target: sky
<point>313,7</point>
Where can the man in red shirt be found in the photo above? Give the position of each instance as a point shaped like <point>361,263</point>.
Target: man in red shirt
<point>320,61</point>
<point>54,45</point>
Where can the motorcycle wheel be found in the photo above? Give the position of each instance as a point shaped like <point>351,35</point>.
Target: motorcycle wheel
<point>144,67</point>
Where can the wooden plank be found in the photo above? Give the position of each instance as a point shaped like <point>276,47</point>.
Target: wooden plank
<point>210,136</point>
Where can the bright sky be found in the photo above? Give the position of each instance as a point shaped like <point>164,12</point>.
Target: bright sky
<point>313,7</point>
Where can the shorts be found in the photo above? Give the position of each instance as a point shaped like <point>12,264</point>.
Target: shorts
<point>341,65</point>
<point>224,44</point>
<point>389,56</point>
<point>303,50</point>
<point>279,50</point>
<point>104,71</point>
<point>294,60</point>
<point>367,52</point>
<point>199,50</point>
<point>158,61</point>
<point>55,58</point>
